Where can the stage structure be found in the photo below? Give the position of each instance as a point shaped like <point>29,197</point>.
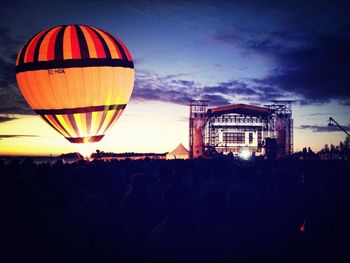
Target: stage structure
<point>241,129</point>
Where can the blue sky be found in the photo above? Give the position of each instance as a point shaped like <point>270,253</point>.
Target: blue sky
<point>224,51</point>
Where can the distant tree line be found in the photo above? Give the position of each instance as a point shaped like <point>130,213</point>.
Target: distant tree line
<point>341,151</point>
<point>328,152</point>
<point>100,154</point>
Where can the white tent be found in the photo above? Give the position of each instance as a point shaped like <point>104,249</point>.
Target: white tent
<point>180,152</point>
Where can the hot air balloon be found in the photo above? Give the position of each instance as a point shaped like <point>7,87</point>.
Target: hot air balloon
<point>77,78</point>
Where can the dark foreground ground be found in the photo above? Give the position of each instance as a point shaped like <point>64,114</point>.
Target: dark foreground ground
<point>176,211</point>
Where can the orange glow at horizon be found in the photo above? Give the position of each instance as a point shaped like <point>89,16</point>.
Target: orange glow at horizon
<point>145,126</point>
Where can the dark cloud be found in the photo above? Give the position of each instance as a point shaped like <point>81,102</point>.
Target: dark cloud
<point>9,43</point>
<point>169,88</point>
<point>217,100</point>
<point>7,73</point>
<point>247,90</point>
<point>6,118</point>
<point>316,114</point>
<point>186,83</point>
<point>11,99</point>
<point>344,102</point>
<point>253,40</point>
<point>172,88</point>
<point>309,42</point>
<point>229,87</point>
<point>8,50</point>
<point>17,108</point>
<point>325,128</point>
<point>9,136</point>
<point>318,73</point>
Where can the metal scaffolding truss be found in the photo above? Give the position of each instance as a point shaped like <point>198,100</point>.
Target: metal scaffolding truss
<point>282,109</point>
<point>198,109</point>
<point>273,121</point>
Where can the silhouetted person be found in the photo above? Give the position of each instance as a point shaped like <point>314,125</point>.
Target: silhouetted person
<point>134,209</point>
<point>212,238</point>
<point>155,192</point>
<point>169,242</point>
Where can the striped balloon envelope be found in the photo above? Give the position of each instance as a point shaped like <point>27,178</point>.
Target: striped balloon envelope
<point>77,78</point>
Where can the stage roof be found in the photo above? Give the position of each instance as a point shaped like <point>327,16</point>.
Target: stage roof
<point>241,109</point>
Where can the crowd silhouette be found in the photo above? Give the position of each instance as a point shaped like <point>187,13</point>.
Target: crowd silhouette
<point>219,210</point>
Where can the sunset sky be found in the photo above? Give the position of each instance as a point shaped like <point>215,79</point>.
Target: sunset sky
<point>223,51</point>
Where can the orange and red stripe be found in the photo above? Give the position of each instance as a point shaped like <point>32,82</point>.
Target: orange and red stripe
<point>67,125</point>
<point>72,42</point>
<point>65,121</point>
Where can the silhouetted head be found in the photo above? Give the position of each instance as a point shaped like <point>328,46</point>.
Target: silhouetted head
<point>242,200</point>
<point>2,164</point>
<point>213,200</point>
<point>165,174</point>
<point>137,182</point>
<point>174,200</point>
<point>28,162</point>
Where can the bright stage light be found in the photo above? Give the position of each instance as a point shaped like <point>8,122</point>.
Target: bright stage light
<point>86,149</point>
<point>245,154</point>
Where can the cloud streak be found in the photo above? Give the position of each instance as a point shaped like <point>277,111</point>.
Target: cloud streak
<point>320,128</point>
<point>6,118</point>
<point>10,136</point>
